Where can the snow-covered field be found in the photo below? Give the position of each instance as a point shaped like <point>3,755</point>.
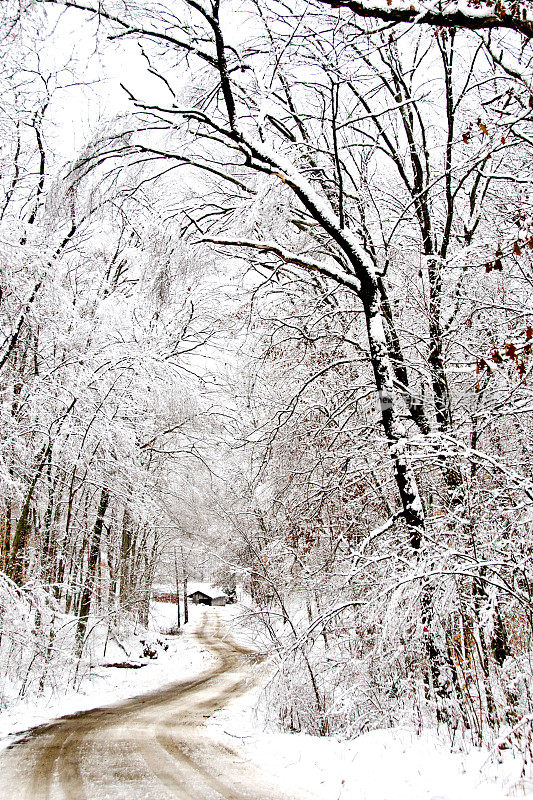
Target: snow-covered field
<point>380,765</point>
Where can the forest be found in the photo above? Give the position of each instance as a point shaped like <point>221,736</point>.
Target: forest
<point>266,317</point>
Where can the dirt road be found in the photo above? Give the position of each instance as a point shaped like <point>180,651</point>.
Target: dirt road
<point>153,747</point>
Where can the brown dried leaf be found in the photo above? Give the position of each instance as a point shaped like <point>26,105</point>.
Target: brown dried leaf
<point>510,351</point>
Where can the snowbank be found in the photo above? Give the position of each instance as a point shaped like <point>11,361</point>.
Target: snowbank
<point>185,658</point>
<point>388,764</point>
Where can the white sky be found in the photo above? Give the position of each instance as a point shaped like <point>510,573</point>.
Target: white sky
<point>95,93</point>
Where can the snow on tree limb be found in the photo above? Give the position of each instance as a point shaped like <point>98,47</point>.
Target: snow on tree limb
<point>327,270</point>
<point>474,15</point>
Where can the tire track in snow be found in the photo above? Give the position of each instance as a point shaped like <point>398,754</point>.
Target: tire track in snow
<point>152,747</point>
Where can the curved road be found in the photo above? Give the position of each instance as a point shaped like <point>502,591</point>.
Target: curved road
<point>153,747</point>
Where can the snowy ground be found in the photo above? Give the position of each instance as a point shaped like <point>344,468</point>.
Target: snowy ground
<point>381,765</point>
<point>184,659</point>
<point>390,764</point>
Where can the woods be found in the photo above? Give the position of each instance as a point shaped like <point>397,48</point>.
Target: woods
<point>277,307</point>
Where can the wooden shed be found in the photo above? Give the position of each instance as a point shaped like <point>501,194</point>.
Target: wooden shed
<point>208,597</point>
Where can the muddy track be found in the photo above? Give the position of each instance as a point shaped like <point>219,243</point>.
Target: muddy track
<point>152,747</point>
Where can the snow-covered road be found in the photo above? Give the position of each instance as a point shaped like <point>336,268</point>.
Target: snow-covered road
<point>200,737</point>
<point>151,747</point>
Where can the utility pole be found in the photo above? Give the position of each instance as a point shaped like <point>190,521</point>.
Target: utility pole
<point>185,603</point>
<point>176,574</point>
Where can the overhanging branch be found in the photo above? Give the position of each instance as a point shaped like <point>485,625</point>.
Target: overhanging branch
<point>477,15</point>
<point>328,271</point>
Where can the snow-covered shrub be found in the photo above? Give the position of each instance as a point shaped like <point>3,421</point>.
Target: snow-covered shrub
<point>37,642</point>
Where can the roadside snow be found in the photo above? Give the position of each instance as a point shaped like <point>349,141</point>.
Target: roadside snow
<point>380,765</point>
<point>390,764</point>
<point>184,659</point>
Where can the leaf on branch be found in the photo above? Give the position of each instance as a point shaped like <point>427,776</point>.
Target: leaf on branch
<point>496,265</point>
<point>517,250</point>
<point>496,357</point>
<point>510,351</point>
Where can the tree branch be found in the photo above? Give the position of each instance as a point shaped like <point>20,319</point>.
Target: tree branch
<point>326,270</point>
<point>477,15</point>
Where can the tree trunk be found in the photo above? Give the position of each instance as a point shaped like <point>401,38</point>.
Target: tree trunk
<point>125,561</point>
<point>15,564</point>
<point>412,508</point>
<point>177,577</point>
<point>94,551</point>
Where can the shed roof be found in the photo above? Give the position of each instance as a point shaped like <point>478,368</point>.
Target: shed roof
<point>205,588</point>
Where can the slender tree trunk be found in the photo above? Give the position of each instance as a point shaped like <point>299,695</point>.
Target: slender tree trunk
<point>48,526</point>
<point>435,356</point>
<point>6,537</point>
<point>125,560</point>
<point>177,577</point>
<point>394,428</point>
<point>92,563</point>
<point>15,565</point>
